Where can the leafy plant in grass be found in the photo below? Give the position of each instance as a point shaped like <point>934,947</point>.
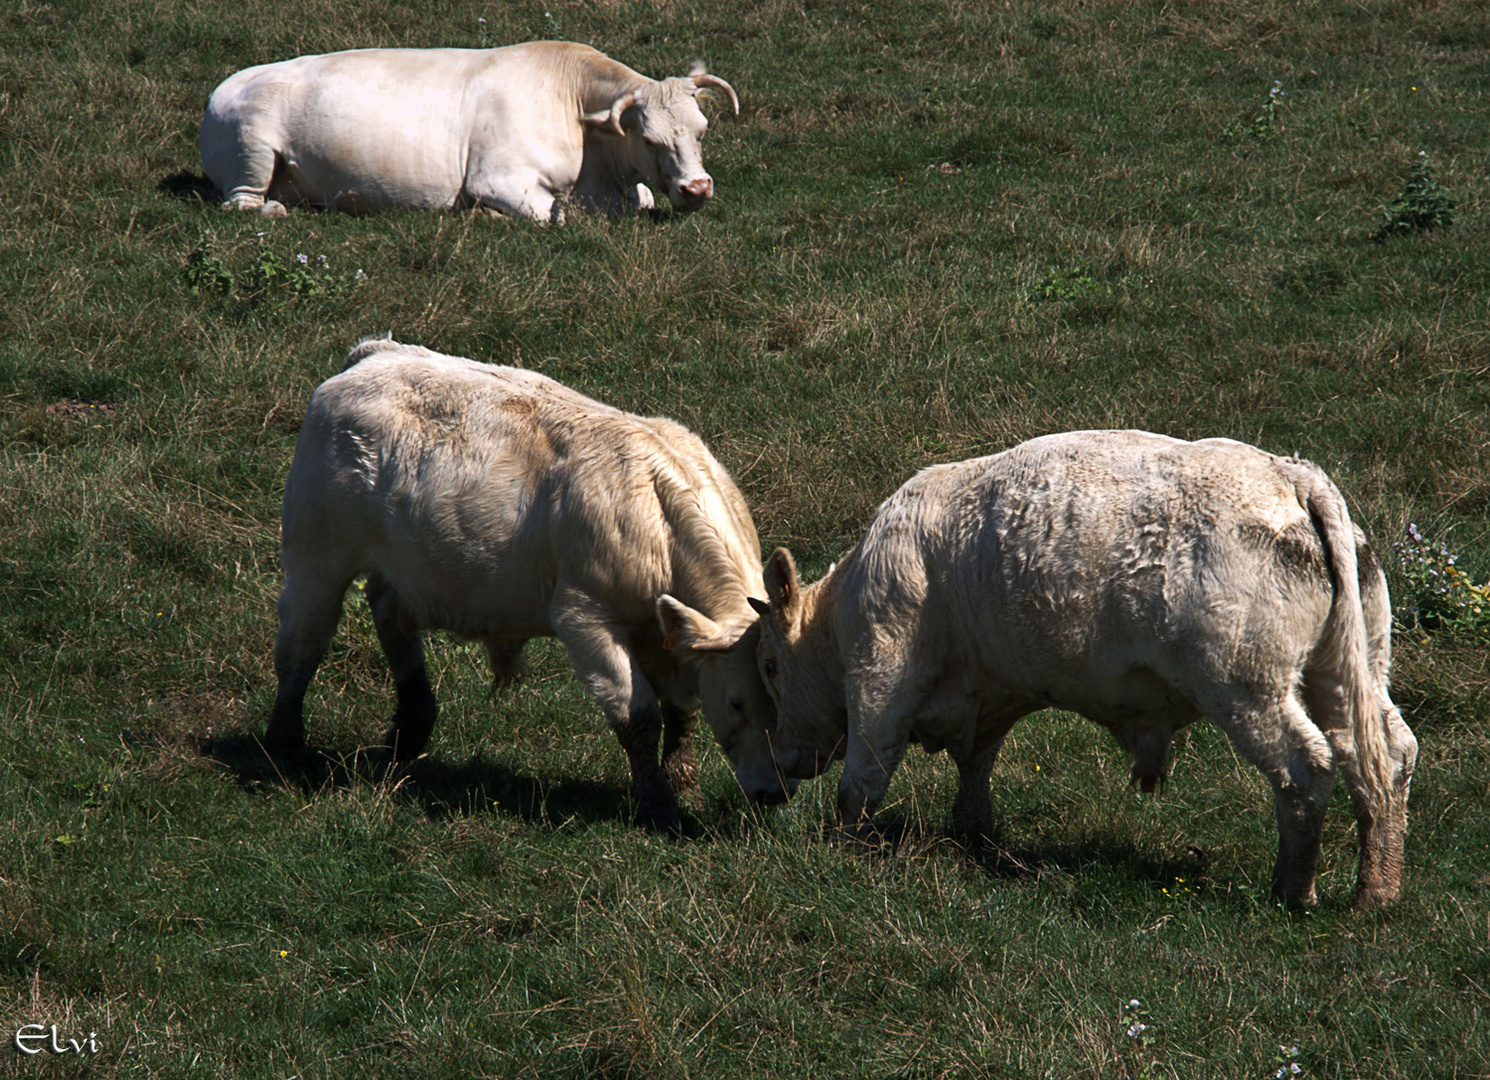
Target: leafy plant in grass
<point>1137,1027</point>
<point>1265,125</point>
<point>205,270</point>
<point>1439,594</point>
<point>299,275</point>
<point>1076,282</point>
<point>1423,205</point>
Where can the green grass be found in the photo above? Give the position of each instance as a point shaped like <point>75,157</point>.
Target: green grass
<point>941,228</point>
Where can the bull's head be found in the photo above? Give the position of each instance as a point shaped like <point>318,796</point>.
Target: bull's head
<point>661,125</point>
<point>802,677</point>
<point>736,705</point>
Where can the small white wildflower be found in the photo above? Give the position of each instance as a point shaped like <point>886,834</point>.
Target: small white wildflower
<point>1293,1051</point>
<point>1281,1073</point>
<point>360,276</point>
<point>1294,1068</point>
<point>1133,1004</point>
<point>1136,1029</point>
<point>258,234</point>
<point>481,21</point>
<point>320,258</point>
<point>302,258</point>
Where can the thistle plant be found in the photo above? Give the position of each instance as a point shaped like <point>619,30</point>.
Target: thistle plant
<point>1439,594</point>
<point>1266,124</point>
<point>1423,205</point>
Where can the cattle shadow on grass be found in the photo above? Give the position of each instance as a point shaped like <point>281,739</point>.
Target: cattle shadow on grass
<point>902,837</point>
<point>189,186</point>
<point>480,785</point>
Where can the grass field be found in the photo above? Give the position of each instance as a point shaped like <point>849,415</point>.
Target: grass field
<point>941,227</point>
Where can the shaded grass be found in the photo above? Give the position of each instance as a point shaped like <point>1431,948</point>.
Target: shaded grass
<point>863,299</point>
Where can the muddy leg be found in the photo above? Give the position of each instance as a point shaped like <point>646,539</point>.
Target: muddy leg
<point>678,762</point>
<point>414,717</point>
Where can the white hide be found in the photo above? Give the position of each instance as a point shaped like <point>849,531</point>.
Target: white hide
<point>512,130</point>
<point>499,504</point>
<point>1133,578</point>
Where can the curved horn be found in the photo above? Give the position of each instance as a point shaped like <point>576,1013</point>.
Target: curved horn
<point>619,106</point>
<point>703,79</point>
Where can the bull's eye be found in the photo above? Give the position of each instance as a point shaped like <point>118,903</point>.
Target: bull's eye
<point>734,703</point>
<point>769,667</point>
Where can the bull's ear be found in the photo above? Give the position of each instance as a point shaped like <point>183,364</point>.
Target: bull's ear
<point>783,586</point>
<point>686,632</point>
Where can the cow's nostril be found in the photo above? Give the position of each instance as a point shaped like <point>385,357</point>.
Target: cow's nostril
<point>702,188</point>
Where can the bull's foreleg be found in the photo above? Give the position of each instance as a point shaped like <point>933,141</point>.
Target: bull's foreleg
<point>602,659</point>
<point>972,811</point>
<point>678,762</point>
<point>520,193</point>
<point>398,633</point>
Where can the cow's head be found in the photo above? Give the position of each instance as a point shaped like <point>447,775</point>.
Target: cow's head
<point>659,126</point>
<point>736,705</point>
<point>801,676</point>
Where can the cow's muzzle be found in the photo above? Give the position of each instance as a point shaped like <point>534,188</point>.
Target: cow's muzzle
<point>695,193</point>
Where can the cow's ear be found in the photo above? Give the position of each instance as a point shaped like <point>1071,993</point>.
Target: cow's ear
<point>783,586</point>
<point>686,632</point>
<point>610,120</point>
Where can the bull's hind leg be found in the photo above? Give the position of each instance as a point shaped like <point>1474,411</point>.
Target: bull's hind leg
<point>246,168</point>
<point>1380,807</point>
<point>398,633</point>
<point>1278,737</point>
<point>603,661</point>
<point>309,611</point>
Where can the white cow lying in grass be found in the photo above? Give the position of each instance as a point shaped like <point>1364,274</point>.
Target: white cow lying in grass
<point>512,130</point>
<point>500,505</point>
<point>1135,579</point>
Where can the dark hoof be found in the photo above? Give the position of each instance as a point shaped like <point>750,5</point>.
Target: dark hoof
<point>281,742</point>
<point>664,819</point>
<point>404,745</point>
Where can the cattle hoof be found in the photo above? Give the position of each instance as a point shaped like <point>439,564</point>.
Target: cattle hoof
<point>282,739</point>
<point>1372,900</point>
<point>665,820</point>
<point>273,209</point>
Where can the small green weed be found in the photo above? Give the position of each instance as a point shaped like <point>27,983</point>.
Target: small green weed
<point>1287,1060</point>
<point>1266,124</point>
<point>1138,1030</point>
<point>205,270</point>
<point>1440,595</point>
<point>1423,205</point>
<point>1076,282</point>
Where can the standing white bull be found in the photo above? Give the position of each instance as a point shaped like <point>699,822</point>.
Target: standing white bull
<point>498,504</point>
<point>1138,580</point>
<point>511,130</point>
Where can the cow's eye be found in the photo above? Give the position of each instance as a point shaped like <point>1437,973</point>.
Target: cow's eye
<point>734,703</point>
<point>769,667</point>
